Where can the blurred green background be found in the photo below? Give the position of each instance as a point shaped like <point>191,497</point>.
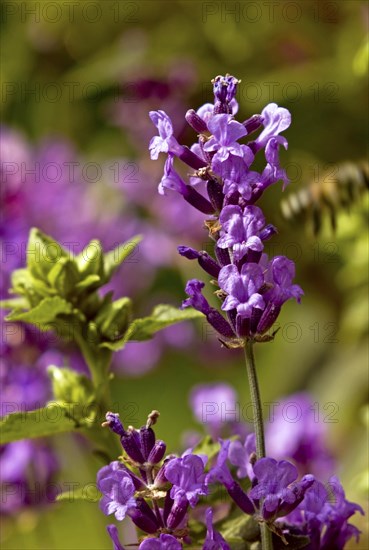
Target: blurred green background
<point>80,59</point>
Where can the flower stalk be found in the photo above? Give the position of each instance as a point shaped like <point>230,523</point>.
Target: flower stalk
<point>257,412</point>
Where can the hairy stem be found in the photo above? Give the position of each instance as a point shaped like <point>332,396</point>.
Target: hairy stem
<point>266,535</point>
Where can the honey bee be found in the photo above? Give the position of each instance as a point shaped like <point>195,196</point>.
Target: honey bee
<point>337,188</point>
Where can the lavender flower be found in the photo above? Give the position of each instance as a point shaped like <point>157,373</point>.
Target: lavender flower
<point>275,120</point>
<point>164,542</point>
<point>224,141</point>
<point>240,230</point>
<point>252,292</point>
<point>188,477</point>
<point>277,488</point>
<point>241,455</point>
<point>198,301</point>
<point>118,490</point>
<point>220,472</point>
<point>165,142</point>
<point>324,515</point>
<point>242,288</point>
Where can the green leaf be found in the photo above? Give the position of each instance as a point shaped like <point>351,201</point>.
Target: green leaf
<point>64,276</point>
<point>13,303</point>
<point>162,316</point>
<point>51,419</point>
<point>89,493</point>
<point>114,258</point>
<point>87,283</point>
<point>143,329</point>
<point>45,312</point>
<point>207,446</point>
<point>90,260</point>
<point>43,253</point>
<point>113,318</point>
<point>70,386</point>
<point>241,527</point>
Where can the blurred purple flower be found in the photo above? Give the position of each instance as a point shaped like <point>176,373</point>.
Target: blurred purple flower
<point>296,432</point>
<point>214,405</point>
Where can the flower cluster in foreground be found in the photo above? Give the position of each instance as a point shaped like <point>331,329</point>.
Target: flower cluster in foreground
<point>251,287</point>
<point>164,494</point>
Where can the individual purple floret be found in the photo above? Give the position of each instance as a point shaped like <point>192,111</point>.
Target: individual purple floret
<point>164,542</point>
<point>279,275</point>
<point>214,540</point>
<point>165,142</point>
<point>199,302</point>
<point>241,230</point>
<point>220,472</point>
<point>275,120</point>
<point>205,261</point>
<point>113,534</point>
<point>242,288</point>
<point>276,488</point>
<point>118,489</point>
<point>225,135</point>
<point>188,477</point>
<point>242,455</point>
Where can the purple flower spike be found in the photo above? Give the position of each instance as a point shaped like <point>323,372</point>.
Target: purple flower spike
<point>214,540</point>
<point>113,533</point>
<point>188,478</point>
<point>240,230</point>
<point>164,542</point>
<point>242,288</point>
<point>118,490</point>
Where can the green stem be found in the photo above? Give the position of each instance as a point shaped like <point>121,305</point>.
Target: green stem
<point>266,535</point>
<point>99,364</point>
